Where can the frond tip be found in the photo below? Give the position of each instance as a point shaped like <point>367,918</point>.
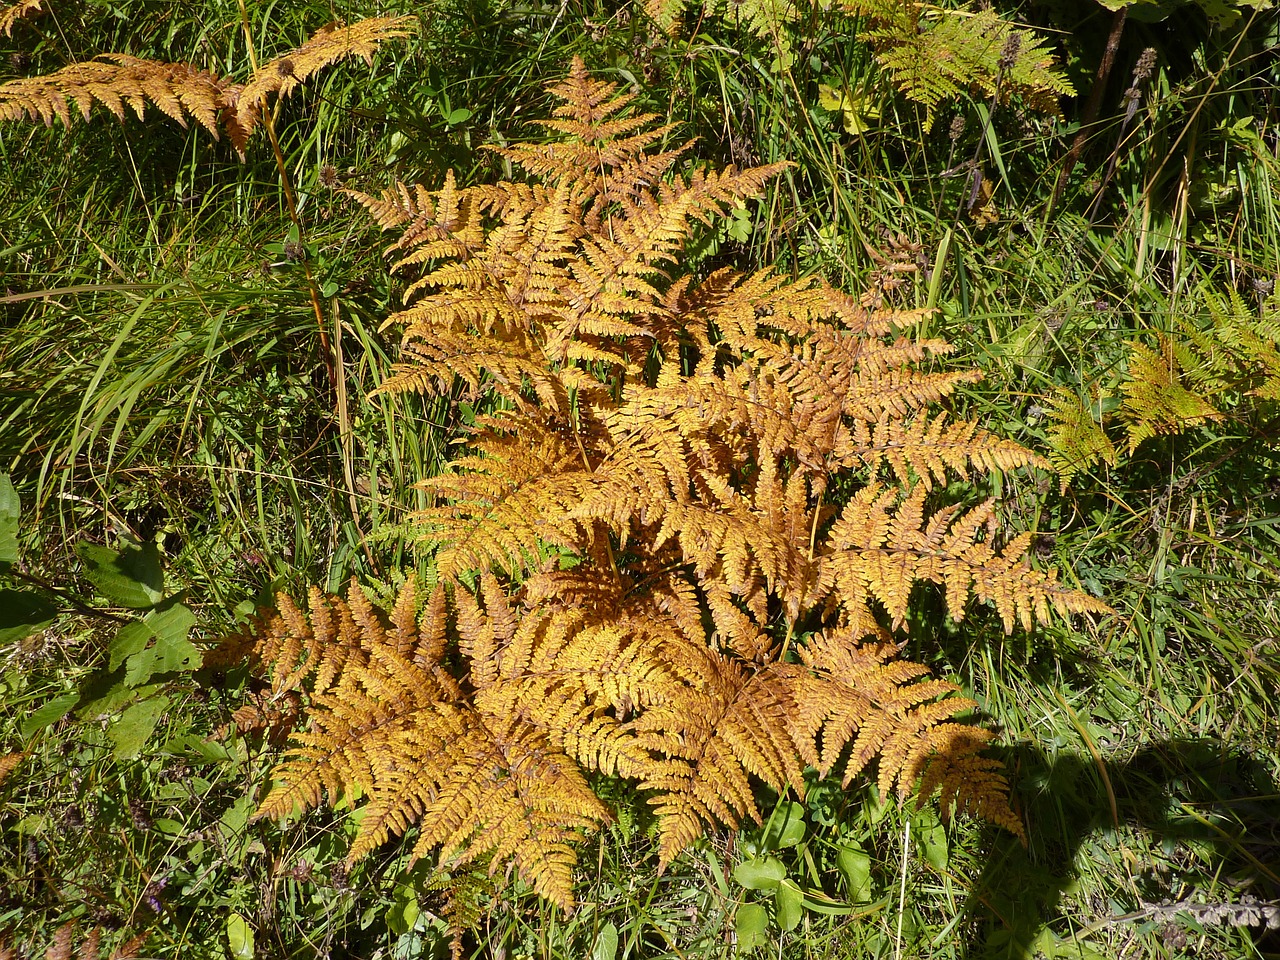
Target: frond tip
<point>181,90</point>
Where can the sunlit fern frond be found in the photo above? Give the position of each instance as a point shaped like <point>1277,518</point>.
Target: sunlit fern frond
<point>1155,400</point>
<point>115,82</point>
<point>24,9</point>
<point>179,90</point>
<point>685,483</point>
<point>1076,438</point>
<point>933,55</point>
<point>325,47</point>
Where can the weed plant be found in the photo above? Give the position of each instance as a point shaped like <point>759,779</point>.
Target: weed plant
<point>161,382</point>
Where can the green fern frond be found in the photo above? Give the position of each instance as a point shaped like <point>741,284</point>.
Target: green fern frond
<point>1076,438</point>
<point>933,55</point>
<point>1155,400</point>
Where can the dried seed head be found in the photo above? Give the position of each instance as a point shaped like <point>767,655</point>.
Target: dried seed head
<point>957,127</point>
<point>1145,65</point>
<point>329,176</point>
<point>294,251</point>
<point>285,67</point>
<point>138,814</point>
<point>1009,53</point>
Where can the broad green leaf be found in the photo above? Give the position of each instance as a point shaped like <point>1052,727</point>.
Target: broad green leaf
<point>786,826</point>
<point>606,945</point>
<point>858,114</point>
<point>10,508</point>
<point>788,903</point>
<point>129,640</point>
<point>131,578</point>
<point>239,937</point>
<point>22,613</point>
<point>933,841</point>
<point>760,873</point>
<point>854,864</point>
<point>171,652</point>
<point>404,910</point>
<point>51,712</point>
<point>751,926</point>
<point>135,725</point>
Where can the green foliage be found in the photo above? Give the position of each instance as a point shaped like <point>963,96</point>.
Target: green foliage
<point>1223,363</point>
<point>933,55</point>
<point>206,430</point>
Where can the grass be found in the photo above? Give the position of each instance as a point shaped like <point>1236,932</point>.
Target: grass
<point>161,382</point>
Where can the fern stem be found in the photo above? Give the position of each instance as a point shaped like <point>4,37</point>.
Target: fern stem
<point>291,206</point>
<point>337,383</point>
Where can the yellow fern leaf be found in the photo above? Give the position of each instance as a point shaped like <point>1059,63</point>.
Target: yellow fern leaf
<point>1076,438</point>
<point>178,90</point>
<point>1155,401</point>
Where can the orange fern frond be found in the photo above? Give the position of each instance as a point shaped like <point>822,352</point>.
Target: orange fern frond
<point>675,551</point>
<point>10,16</point>
<point>117,81</point>
<point>325,47</point>
<point>180,90</point>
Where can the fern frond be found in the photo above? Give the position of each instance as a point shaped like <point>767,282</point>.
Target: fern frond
<point>1155,401</point>
<point>117,81</point>
<point>965,780</point>
<point>857,697</point>
<point>510,797</point>
<point>881,546</point>
<point>682,481</point>
<point>181,90</point>
<point>505,502</point>
<point>325,47</point>
<point>934,58</point>
<point>1076,438</point>
<point>10,15</point>
<point>724,726</point>
<point>927,449</point>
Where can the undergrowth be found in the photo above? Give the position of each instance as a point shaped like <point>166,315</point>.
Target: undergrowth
<point>182,446</point>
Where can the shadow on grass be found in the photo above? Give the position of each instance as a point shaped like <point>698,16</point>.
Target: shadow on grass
<point>1185,794</point>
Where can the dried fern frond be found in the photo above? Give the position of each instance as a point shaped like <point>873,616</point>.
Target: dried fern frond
<point>10,16</point>
<point>115,81</point>
<point>90,948</point>
<point>9,763</point>
<point>181,90</point>
<point>325,47</point>
<point>684,479</point>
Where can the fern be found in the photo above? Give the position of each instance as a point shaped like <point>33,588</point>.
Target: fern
<point>644,568</point>
<point>1076,438</point>
<point>182,91</point>
<point>90,948</point>
<point>10,16</point>
<point>1202,371</point>
<point>934,55</point>
<point>931,54</point>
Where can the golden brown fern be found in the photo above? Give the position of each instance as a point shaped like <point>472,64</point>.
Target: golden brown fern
<point>9,762</point>
<point>179,90</point>
<point>10,16</point>
<point>668,555</point>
